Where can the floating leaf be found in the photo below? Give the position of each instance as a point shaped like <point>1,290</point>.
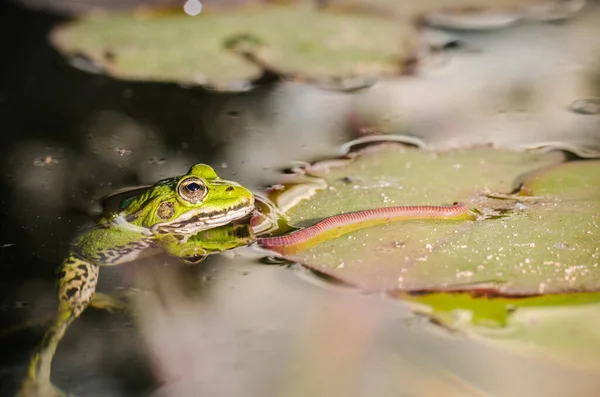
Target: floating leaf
<point>339,44</point>
<point>575,180</point>
<point>547,241</point>
<point>524,277</point>
<point>234,46</point>
<point>485,307</point>
<point>468,14</point>
<point>559,327</point>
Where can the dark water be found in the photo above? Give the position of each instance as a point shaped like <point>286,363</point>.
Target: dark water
<point>235,326</point>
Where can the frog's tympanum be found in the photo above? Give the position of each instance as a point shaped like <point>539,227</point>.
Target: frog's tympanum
<point>188,217</point>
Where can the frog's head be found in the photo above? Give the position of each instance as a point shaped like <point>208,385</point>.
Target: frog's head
<point>196,201</point>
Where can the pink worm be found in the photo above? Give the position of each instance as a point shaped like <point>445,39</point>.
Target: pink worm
<point>386,213</point>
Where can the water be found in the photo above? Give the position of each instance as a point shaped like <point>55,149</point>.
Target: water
<point>235,326</point>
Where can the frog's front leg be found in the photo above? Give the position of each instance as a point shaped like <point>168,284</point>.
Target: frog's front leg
<point>194,249</point>
<point>77,284</point>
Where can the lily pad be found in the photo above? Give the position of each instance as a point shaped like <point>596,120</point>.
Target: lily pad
<point>559,327</point>
<point>468,14</point>
<point>545,239</point>
<point>339,44</point>
<point>229,47</point>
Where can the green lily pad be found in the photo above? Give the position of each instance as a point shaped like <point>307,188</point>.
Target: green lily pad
<point>523,277</point>
<point>340,44</point>
<point>574,180</point>
<point>485,307</point>
<point>547,241</point>
<point>562,328</point>
<point>227,47</point>
<point>392,174</point>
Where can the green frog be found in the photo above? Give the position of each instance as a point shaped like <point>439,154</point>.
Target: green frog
<point>188,217</point>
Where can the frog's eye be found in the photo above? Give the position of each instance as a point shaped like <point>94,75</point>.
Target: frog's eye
<point>192,189</point>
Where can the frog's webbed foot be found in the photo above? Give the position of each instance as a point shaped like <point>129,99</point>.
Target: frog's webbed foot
<point>107,302</point>
<point>116,301</point>
<point>77,284</point>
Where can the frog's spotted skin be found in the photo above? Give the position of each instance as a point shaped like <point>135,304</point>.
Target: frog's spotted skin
<point>188,217</point>
<point>77,281</point>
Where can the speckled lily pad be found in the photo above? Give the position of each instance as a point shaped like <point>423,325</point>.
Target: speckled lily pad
<point>524,277</point>
<point>545,239</point>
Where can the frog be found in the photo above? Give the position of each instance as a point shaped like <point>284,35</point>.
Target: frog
<point>188,217</point>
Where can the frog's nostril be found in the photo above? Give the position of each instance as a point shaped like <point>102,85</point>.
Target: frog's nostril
<point>229,188</point>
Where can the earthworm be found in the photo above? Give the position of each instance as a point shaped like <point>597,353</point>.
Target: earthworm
<point>385,214</point>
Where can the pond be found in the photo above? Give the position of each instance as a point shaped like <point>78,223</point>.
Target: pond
<point>241,324</point>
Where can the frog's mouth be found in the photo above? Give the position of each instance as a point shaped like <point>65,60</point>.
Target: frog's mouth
<point>195,223</point>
